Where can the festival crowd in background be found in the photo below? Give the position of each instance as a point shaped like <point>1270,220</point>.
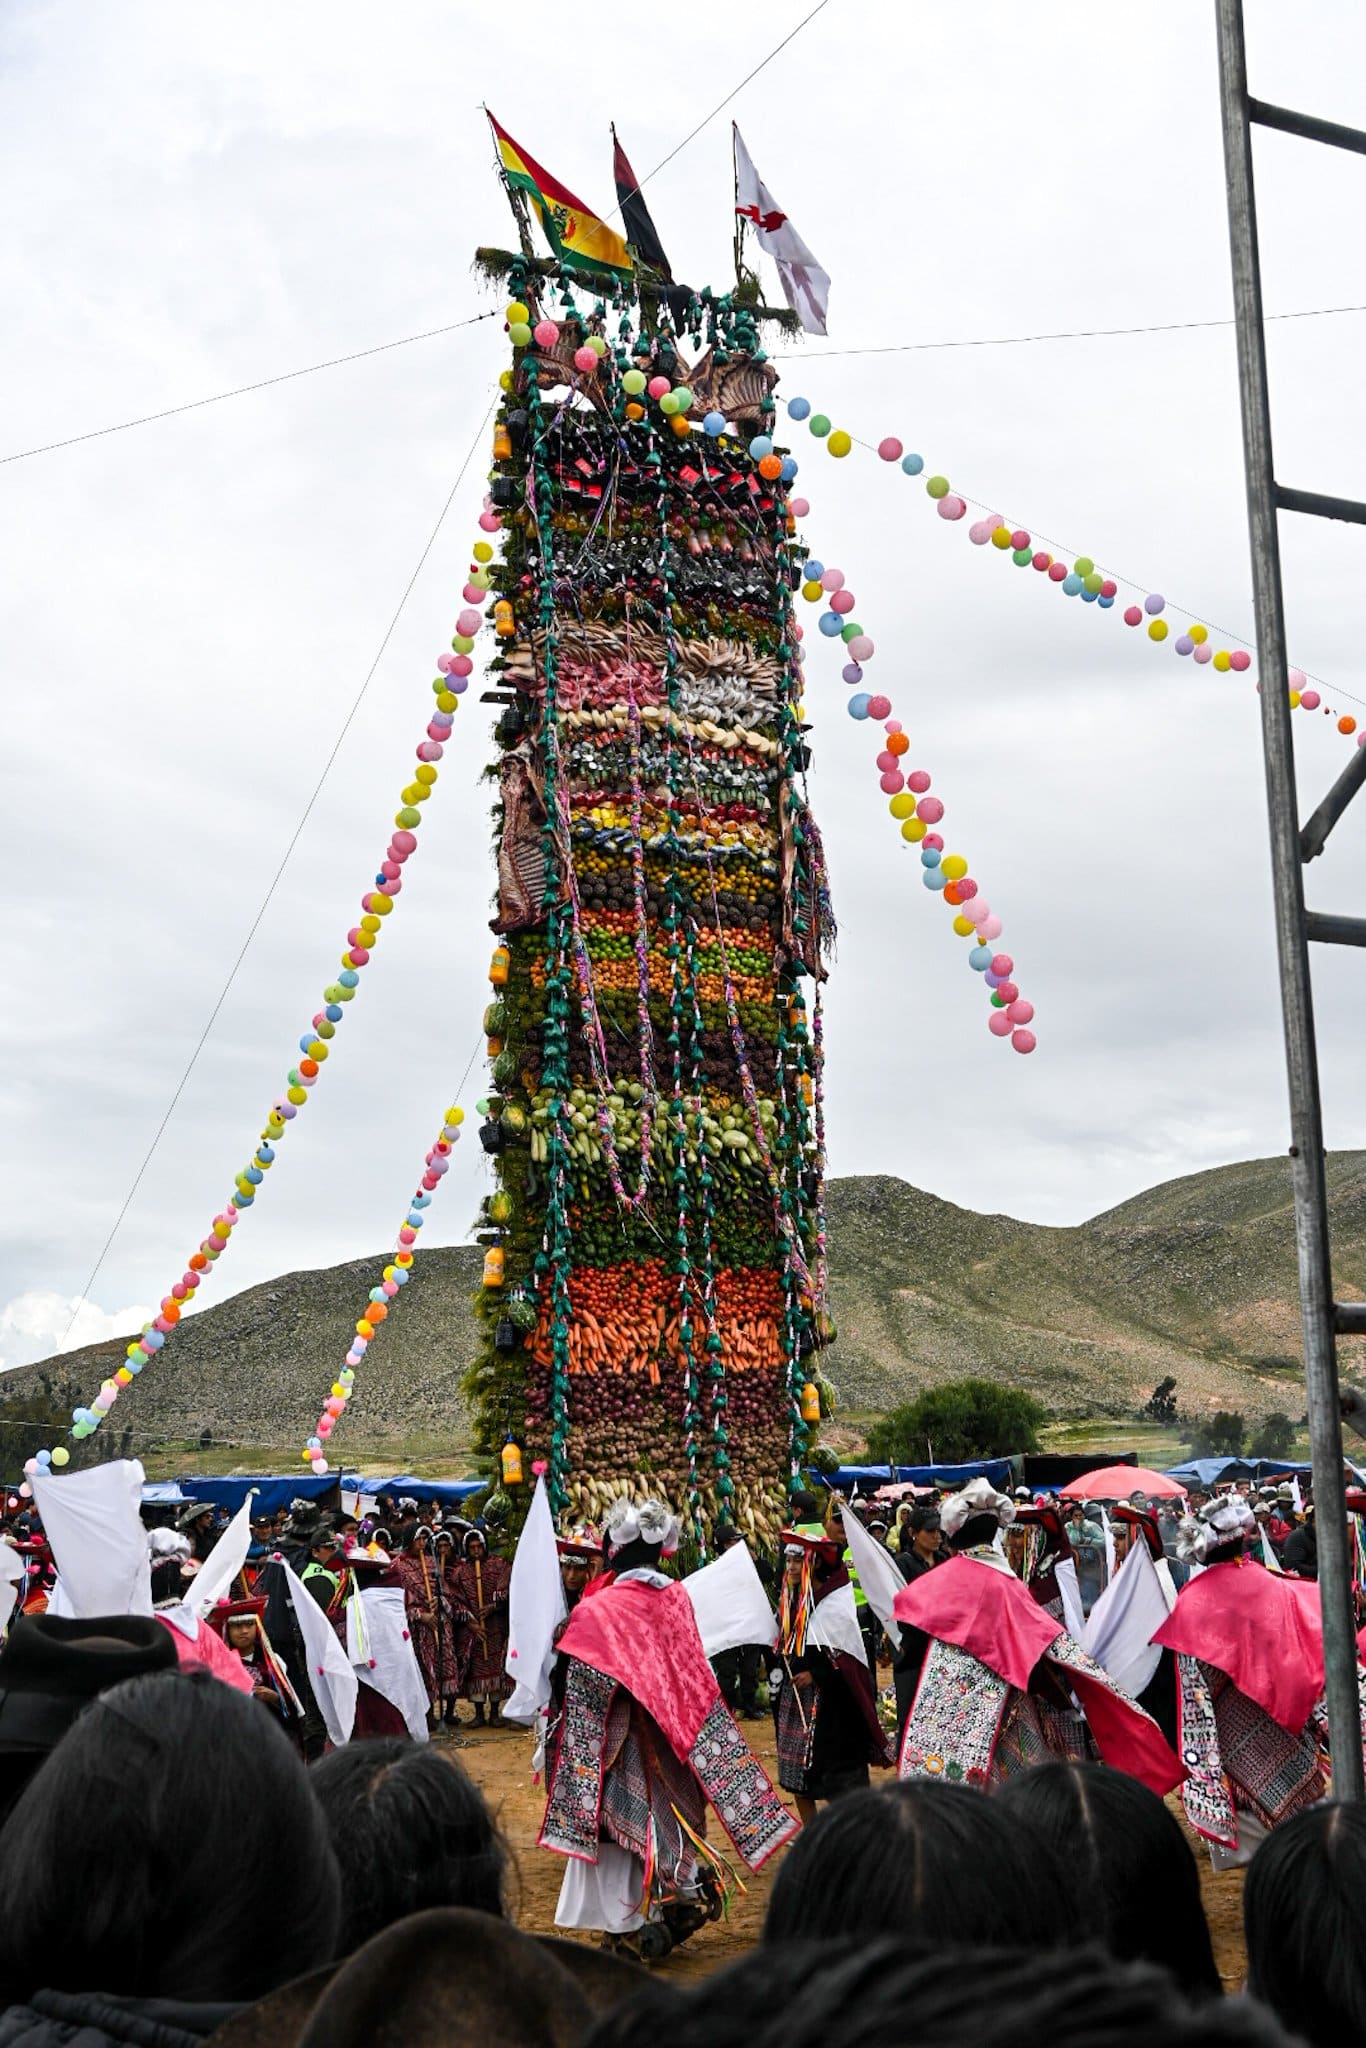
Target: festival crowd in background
<point>222,1815</point>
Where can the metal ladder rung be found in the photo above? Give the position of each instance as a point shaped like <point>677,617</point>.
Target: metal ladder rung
<point>1349,1318</point>
<point>1306,125</point>
<point>1314,836</point>
<point>1319,505</point>
<point>1331,930</point>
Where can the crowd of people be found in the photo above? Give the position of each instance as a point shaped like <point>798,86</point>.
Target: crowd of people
<point>969,1825</point>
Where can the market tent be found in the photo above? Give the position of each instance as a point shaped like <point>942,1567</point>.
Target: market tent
<point>450,1492</point>
<point>163,1493</point>
<point>1117,1482</point>
<point>275,1490</point>
<point>997,1470</point>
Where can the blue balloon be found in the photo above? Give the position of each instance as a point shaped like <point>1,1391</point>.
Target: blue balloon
<point>831,624</point>
<point>333,1013</point>
<point>930,856</point>
<point>857,707</point>
<point>1089,596</point>
<point>349,978</point>
<point>315,1443</point>
<point>421,1201</point>
<point>934,878</point>
<point>1105,603</point>
<point>306,1041</point>
<point>402,1275</point>
<point>798,408</point>
<point>265,1152</point>
<point>242,1201</point>
<point>152,1340</point>
<point>1071,584</point>
<point>788,470</point>
<point>912,464</point>
<point>415,1221</point>
<point>760,446</point>
<point>715,423</point>
<point>979,959</point>
<point>254,1175</point>
<point>813,570</point>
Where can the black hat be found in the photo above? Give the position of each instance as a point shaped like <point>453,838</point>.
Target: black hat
<point>195,1512</point>
<point>51,1668</point>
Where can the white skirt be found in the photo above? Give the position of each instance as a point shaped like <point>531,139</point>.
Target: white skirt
<point>602,1896</point>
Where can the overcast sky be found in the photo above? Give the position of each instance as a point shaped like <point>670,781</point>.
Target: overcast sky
<point>201,197</point>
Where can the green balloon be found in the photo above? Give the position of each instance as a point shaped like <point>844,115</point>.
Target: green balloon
<point>668,404</point>
<point>683,395</point>
<point>819,425</point>
<point>1093,581</point>
<point>938,487</point>
<point>850,631</point>
<point>1022,558</point>
<point>634,382</point>
<point>1084,565</point>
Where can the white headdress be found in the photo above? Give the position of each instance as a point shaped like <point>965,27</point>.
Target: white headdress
<point>978,1497</point>
<point>646,1521</point>
<point>165,1544</point>
<point>1218,1522</point>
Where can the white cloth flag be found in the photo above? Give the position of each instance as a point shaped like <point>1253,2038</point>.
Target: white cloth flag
<point>11,1580</point>
<point>805,285</point>
<point>877,1573</point>
<point>536,1607</point>
<point>213,1581</point>
<point>730,1604</point>
<point>1128,1614</point>
<point>335,1685</point>
<point>99,1545</point>
<point>1108,1528</point>
<point>1069,1592</point>
<point>381,1653</point>
<point>834,1625</point>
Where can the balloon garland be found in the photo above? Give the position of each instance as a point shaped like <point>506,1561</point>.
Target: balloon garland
<point>453,671</point>
<point>1082,580</point>
<point>396,1274</point>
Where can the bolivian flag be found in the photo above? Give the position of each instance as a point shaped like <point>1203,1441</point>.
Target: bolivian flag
<point>578,238</point>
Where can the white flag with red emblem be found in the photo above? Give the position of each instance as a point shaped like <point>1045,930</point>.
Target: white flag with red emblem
<point>805,284</point>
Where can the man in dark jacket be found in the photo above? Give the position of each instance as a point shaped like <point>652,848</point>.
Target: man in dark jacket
<point>1301,1551</point>
<point>923,1553</point>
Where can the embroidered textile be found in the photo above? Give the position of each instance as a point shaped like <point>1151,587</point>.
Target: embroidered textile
<point>644,1790</point>
<point>738,1787</point>
<point>1205,1796</point>
<point>1272,1772</point>
<point>796,1735</point>
<point>955,1718</point>
<point>574,1793</point>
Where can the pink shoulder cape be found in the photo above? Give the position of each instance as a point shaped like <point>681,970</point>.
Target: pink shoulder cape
<point>646,1637</point>
<point>1264,1631</point>
<point>209,1651</point>
<point>992,1616</point>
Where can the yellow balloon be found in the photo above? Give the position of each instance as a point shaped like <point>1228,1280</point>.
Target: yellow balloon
<point>455,1115</point>
<point>963,928</point>
<point>1294,700</point>
<point>1221,660</point>
<point>902,806</point>
<point>369,923</point>
<point>1000,536</point>
<point>839,442</point>
<point>913,829</point>
<point>1157,629</point>
<point>482,551</point>
<point>365,1328</point>
<point>317,1050</point>
<point>505,380</point>
<point>426,773</point>
<point>1199,634</point>
<point>953,867</point>
<point>517,314</point>
<point>812,592</point>
<point>446,700</point>
<point>298,1096</point>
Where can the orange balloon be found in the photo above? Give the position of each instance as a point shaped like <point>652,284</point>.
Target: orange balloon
<point>376,1312</point>
<point>634,411</point>
<point>308,1066</point>
<point>1347,724</point>
<point>897,743</point>
<point>197,1262</point>
<point>770,465</point>
<point>683,427</point>
<point>951,894</point>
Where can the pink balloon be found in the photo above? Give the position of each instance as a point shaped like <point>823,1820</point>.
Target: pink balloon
<point>977,912</point>
<point>893,725</point>
<point>861,649</point>
<point>472,594</point>
<point>1297,679</point>
<point>929,810</point>
<point>952,506</point>
<point>1002,965</point>
<point>469,622</point>
<point>998,1024</point>
<point>966,888</point>
<point>979,533</point>
<point>1310,699</point>
<point>1007,990</point>
<point>990,927</point>
<point>1019,539</point>
<point>799,507</point>
<point>461,665</point>
<point>1056,571</point>
<point>586,361</point>
<point>887,761</point>
<point>443,663</point>
<point>878,707</point>
<point>1023,1041</point>
<point>545,334</point>
<point>1020,1012</point>
<point>489,522</point>
<point>842,601</point>
<point>832,579</point>
<point>1203,653</point>
<point>934,839</point>
<point>1133,614</point>
<point>893,782</point>
<point>403,843</point>
<point>658,386</point>
<point>918,780</point>
<point>1241,660</point>
<point>889,449</point>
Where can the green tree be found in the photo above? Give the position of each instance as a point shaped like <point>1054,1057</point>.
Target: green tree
<point>959,1420</point>
<point>1274,1437</point>
<point>1160,1405</point>
<point>1220,1435</point>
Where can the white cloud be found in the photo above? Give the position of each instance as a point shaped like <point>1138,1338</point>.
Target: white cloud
<point>37,1324</point>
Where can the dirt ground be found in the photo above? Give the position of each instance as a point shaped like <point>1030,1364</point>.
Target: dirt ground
<point>500,1759</point>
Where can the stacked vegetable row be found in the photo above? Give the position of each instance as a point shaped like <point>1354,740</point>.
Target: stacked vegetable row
<point>655,1268</point>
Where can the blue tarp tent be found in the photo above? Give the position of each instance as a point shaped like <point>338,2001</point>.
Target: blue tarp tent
<point>274,1490</point>
<point>1207,1472</point>
<point>163,1493</point>
<point>868,1477</point>
<point>450,1492</point>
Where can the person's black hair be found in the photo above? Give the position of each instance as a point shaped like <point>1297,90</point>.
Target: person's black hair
<point>636,1556</point>
<point>977,1529</point>
<point>805,1506</point>
<point>151,1854</point>
<point>923,1860</point>
<point>809,1994</point>
<point>416,1825</point>
<point>1304,1918</point>
<point>1129,1859</point>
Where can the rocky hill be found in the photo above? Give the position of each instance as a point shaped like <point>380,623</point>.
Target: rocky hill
<point>1195,1279</point>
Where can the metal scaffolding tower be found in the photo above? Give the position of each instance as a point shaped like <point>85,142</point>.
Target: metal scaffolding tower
<point>1324,1318</point>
